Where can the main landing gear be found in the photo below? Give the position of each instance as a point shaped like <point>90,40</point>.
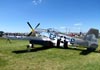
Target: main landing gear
<point>65,43</point>
<point>30,46</point>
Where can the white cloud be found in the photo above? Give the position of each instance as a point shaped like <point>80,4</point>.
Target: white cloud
<point>78,24</point>
<point>36,2</point>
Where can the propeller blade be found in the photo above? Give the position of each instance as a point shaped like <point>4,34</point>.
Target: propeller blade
<point>29,33</point>
<point>37,25</point>
<point>30,25</point>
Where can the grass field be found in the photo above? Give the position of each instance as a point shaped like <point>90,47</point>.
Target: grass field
<point>14,56</point>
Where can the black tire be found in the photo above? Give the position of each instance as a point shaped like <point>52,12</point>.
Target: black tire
<point>32,46</point>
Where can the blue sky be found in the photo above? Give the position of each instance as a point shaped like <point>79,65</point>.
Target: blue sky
<point>64,15</point>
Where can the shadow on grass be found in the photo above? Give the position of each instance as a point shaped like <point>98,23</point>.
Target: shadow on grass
<point>82,51</point>
<point>32,50</point>
<point>86,52</point>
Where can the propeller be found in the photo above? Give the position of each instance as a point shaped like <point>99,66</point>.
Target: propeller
<point>33,30</point>
<point>37,26</point>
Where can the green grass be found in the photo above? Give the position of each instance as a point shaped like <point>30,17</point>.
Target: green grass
<point>14,56</point>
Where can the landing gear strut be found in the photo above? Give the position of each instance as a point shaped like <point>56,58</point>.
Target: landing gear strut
<point>65,44</point>
<point>30,46</point>
<point>58,42</point>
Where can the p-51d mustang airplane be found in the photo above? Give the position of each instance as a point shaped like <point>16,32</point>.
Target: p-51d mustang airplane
<point>90,40</point>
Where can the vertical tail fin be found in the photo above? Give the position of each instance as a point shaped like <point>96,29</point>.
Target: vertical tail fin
<point>90,34</point>
<point>92,38</point>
